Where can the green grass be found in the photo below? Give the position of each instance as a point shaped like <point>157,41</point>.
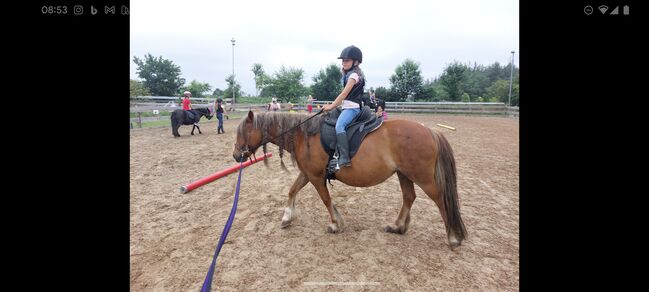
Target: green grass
<point>155,124</point>
<point>166,123</point>
<point>150,114</point>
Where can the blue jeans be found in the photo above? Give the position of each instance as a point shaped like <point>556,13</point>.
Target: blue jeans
<point>219,116</point>
<point>345,118</point>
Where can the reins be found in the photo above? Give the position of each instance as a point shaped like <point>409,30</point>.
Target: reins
<point>266,140</point>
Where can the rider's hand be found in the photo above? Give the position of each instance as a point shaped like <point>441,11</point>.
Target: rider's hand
<point>328,107</point>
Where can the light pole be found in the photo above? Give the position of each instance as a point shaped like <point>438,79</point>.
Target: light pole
<point>232,85</point>
<point>511,74</point>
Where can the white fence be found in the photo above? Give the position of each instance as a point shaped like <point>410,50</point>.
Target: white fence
<point>170,103</point>
<point>479,108</point>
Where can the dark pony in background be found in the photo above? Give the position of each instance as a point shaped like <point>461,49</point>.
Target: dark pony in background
<point>417,154</point>
<point>181,117</point>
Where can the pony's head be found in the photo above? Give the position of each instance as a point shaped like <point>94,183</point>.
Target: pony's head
<point>248,138</point>
<point>206,112</point>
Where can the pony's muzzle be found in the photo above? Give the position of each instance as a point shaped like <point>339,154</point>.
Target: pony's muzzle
<point>242,156</point>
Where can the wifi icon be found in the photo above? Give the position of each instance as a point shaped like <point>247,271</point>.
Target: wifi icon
<point>603,8</point>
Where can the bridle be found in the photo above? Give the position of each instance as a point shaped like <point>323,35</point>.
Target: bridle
<point>245,149</point>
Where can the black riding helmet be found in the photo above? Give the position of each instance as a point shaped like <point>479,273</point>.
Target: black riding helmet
<point>353,53</point>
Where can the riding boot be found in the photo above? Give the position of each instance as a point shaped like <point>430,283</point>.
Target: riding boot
<point>343,149</point>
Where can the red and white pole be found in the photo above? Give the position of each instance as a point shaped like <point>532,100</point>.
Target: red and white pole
<point>187,188</point>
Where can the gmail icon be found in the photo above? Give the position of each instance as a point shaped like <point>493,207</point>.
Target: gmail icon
<point>109,9</point>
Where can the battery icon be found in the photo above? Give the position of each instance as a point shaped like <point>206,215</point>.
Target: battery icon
<point>625,10</point>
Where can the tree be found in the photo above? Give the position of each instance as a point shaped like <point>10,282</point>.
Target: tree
<point>286,85</point>
<point>453,80</point>
<point>232,85</point>
<point>219,93</point>
<point>261,79</point>
<point>516,89</point>
<point>407,81</point>
<point>476,82</point>
<point>326,84</point>
<point>138,89</point>
<point>384,94</point>
<point>429,92</point>
<point>197,89</point>
<point>498,91</point>
<point>161,76</point>
<point>441,93</point>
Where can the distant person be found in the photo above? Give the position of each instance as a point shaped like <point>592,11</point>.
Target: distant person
<point>187,104</point>
<point>219,110</point>
<point>309,104</point>
<point>274,105</point>
<point>380,113</point>
<point>379,102</point>
<point>372,102</point>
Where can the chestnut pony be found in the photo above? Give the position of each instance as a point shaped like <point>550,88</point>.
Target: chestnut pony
<point>416,153</point>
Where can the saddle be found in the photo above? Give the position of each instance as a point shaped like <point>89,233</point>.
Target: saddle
<point>364,123</point>
<point>189,116</point>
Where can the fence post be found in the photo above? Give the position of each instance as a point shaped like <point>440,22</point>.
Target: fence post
<point>139,120</point>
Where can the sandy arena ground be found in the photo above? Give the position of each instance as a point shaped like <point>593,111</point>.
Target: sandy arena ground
<point>173,236</point>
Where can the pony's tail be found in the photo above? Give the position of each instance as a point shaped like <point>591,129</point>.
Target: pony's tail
<point>446,180</point>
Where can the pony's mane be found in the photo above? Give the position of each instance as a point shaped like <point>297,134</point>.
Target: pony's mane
<point>282,122</point>
<point>203,110</point>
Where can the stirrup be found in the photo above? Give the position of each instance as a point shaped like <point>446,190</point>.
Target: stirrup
<point>336,156</point>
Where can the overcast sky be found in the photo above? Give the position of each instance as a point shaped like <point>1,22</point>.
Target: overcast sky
<point>196,35</point>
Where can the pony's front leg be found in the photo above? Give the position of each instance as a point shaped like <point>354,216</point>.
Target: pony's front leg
<point>299,183</point>
<point>194,127</point>
<point>199,128</point>
<point>337,223</point>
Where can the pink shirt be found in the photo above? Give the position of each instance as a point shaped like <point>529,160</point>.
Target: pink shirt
<point>186,103</point>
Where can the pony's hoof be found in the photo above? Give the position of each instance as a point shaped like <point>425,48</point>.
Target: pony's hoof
<point>286,224</point>
<point>391,229</point>
<point>453,243</point>
<point>333,228</point>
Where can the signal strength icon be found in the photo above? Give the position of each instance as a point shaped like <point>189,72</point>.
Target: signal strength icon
<point>615,11</point>
<point>603,8</point>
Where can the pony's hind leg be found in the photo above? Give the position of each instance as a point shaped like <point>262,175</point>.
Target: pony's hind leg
<point>408,189</point>
<point>433,193</point>
<point>337,223</point>
<point>299,183</point>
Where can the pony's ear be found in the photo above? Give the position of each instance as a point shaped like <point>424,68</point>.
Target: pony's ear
<point>250,116</point>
